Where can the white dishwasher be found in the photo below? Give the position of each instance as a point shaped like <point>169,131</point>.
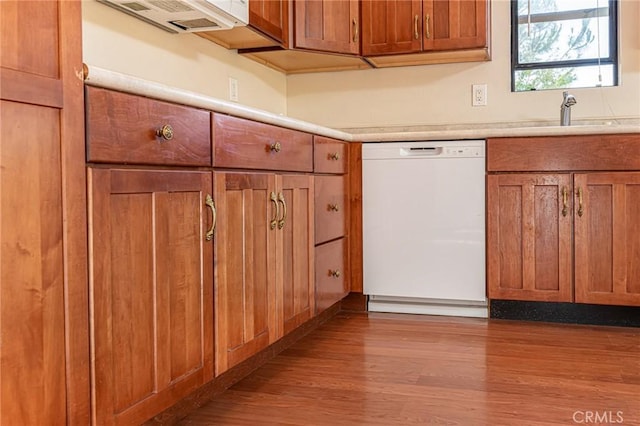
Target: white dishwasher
<point>423,206</point>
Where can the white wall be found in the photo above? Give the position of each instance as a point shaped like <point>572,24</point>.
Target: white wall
<point>118,42</point>
<point>441,94</point>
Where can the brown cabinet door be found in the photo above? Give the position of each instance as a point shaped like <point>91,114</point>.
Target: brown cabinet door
<point>152,284</point>
<point>529,237</point>
<point>295,250</point>
<point>455,24</point>
<point>607,242</point>
<point>245,251</point>
<point>410,26</point>
<point>44,339</point>
<point>391,26</point>
<point>327,25</point>
<point>270,17</point>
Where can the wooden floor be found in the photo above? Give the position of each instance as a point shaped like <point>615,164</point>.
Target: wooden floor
<point>391,369</point>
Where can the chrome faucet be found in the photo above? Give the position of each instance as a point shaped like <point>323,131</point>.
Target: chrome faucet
<point>565,109</point>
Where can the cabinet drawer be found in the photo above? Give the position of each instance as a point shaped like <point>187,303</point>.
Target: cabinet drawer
<point>121,128</point>
<point>246,144</point>
<point>330,205</point>
<point>564,153</point>
<point>330,155</point>
<point>331,284</point>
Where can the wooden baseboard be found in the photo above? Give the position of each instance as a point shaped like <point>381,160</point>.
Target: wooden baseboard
<point>221,383</point>
<point>356,302</point>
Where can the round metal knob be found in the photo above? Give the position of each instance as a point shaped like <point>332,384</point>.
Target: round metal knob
<point>275,147</point>
<point>335,274</point>
<point>165,132</point>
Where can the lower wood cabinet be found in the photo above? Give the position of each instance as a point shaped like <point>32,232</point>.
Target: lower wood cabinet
<point>529,237</point>
<point>331,282</point>
<point>607,238</point>
<point>264,261</point>
<point>536,221</point>
<point>151,274</point>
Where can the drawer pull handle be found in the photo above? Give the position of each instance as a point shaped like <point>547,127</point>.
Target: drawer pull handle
<point>333,207</point>
<point>274,221</point>
<point>165,132</point>
<point>565,208</point>
<point>334,273</point>
<point>275,147</point>
<point>334,156</point>
<point>209,202</point>
<point>416,34</point>
<point>580,206</point>
<point>282,220</point>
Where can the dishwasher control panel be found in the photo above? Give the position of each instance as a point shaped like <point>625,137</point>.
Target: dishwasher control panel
<point>463,151</point>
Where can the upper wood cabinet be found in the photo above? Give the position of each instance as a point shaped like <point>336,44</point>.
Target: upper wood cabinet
<point>268,27</point>
<point>327,25</point>
<point>407,26</point>
<point>44,338</point>
<point>270,17</point>
<point>392,27</point>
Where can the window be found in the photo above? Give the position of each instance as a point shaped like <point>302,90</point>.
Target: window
<point>563,43</point>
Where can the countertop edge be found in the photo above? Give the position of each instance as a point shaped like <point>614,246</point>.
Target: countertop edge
<point>100,77</point>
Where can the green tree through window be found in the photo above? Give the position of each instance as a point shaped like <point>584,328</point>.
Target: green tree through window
<point>556,46</point>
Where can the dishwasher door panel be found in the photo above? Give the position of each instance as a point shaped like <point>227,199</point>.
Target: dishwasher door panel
<point>424,225</point>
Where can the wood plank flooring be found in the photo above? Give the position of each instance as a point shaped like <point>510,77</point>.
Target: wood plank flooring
<point>394,369</point>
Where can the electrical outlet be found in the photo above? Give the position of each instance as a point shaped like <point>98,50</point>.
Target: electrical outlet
<point>479,95</point>
<point>233,89</point>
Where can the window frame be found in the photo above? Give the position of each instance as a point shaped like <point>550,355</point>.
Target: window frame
<point>612,59</point>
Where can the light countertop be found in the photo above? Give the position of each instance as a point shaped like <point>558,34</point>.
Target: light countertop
<point>121,82</point>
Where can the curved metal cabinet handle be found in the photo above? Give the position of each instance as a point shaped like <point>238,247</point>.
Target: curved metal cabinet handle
<point>565,207</point>
<point>333,207</point>
<point>165,132</point>
<point>275,147</point>
<point>283,219</point>
<point>580,206</point>
<point>209,202</point>
<point>274,221</point>
<point>334,273</point>
<point>416,34</point>
<point>355,30</point>
<point>334,156</point>
<point>427,34</point>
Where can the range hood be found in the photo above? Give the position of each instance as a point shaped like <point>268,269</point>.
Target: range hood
<point>186,16</point>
